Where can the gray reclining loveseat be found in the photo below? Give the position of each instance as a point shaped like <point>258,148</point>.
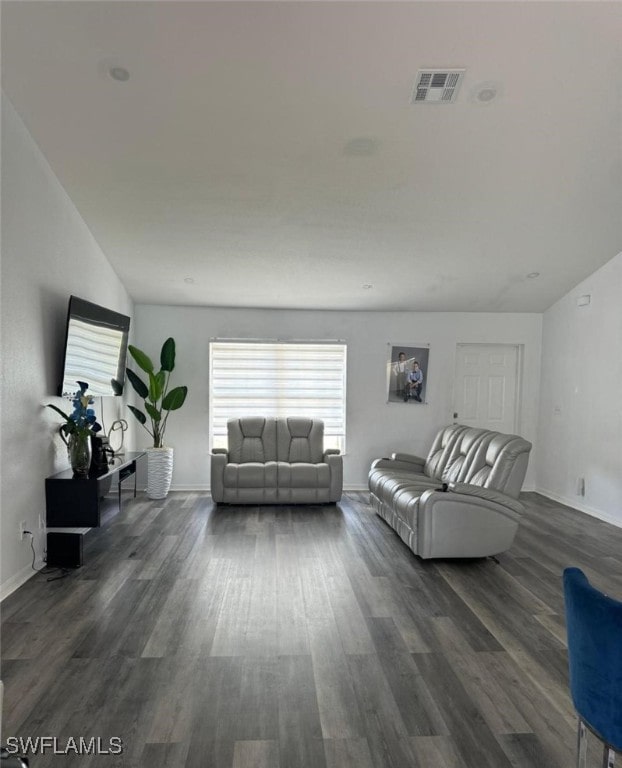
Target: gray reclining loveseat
<point>462,501</point>
<point>276,461</point>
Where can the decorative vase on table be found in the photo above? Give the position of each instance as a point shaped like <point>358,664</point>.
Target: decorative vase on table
<point>79,427</point>
<point>80,453</point>
<point>159,472</point>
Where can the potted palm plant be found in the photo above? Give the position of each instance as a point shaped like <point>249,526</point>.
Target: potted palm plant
<point>158,401</point>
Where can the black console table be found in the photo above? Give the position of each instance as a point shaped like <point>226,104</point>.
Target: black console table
<point>75,501</point>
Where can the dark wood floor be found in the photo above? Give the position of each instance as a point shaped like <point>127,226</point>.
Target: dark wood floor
<point>285,637</point>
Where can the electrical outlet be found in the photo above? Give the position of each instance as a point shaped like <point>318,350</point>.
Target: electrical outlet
<point>23,527</point>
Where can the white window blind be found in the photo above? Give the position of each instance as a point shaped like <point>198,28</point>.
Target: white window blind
<point>278,379</point>
<point>92,355</point>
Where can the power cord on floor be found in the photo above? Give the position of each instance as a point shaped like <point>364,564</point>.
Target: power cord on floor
<point>45,569</point>
<point>34,554</point>
<point>64,572</point>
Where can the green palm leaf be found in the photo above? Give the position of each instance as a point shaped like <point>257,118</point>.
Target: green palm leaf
<point>139,414</point>
<point>156,385</point>
<point>143,361</point>
<point>174,399</point>
<point>167,355</point>
<point>139,385</point>
<point>153,412</point>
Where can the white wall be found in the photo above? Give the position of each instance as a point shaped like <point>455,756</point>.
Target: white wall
<point>374,427</point>
<point>47,254</point>
<point>580,423</point>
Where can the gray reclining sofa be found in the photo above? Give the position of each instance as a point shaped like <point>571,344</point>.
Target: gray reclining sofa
<point>276,461</point>
<point>462,501</point>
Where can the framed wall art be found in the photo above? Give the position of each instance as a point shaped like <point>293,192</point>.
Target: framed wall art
<point>407,373</point>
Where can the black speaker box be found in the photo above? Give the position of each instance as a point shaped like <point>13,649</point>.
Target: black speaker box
<point>12,761</point>
<point>64,550</point>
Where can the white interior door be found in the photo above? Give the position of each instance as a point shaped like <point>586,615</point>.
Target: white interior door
<point>486,386</point>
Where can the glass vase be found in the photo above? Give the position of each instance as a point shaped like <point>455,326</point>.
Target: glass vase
<point>80,452</point>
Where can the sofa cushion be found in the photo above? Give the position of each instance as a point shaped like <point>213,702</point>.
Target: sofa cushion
<point>303,475</point>
<point>504,465</point>
<point>303,483</point>
<point>251,439</point>
<point>406,505</point>
<point>391,483</point>
<point>251,474</point>
<point>441,449</point>
<point>463,452</point>
<point>300,440</point>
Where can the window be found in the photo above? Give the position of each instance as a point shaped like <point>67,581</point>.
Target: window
<point>278,379</point>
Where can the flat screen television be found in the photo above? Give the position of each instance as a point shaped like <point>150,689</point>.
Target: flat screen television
<point>95,349</point>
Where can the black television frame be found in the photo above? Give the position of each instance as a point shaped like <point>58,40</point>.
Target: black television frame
<point>94,314</point>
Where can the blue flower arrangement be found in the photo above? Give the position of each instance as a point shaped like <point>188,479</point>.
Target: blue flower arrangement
<point>82,421</point>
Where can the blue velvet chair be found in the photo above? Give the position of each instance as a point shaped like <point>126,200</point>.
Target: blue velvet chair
<point>594,626</point>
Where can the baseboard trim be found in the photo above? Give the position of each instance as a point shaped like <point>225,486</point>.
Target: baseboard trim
<point>15,582</point>
<point>190,488</point>
<point>574,504</point>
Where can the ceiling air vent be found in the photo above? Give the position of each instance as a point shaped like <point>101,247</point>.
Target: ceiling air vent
<point>437,86</point>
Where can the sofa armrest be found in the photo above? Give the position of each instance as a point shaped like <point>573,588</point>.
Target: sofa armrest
<point>409,458</point>
<point>331,452</point>
<point>384,463</point>
<point>415,463</point>
<point>335,465</point>
<point>404,461</point>
<point>489,494</point>
<point>476,523</point>
<point>219,459</point>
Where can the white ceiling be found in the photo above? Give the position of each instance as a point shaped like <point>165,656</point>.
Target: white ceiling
<point>270,152</point>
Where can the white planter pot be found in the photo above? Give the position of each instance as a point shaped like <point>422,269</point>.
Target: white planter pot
<point>159,472</point>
